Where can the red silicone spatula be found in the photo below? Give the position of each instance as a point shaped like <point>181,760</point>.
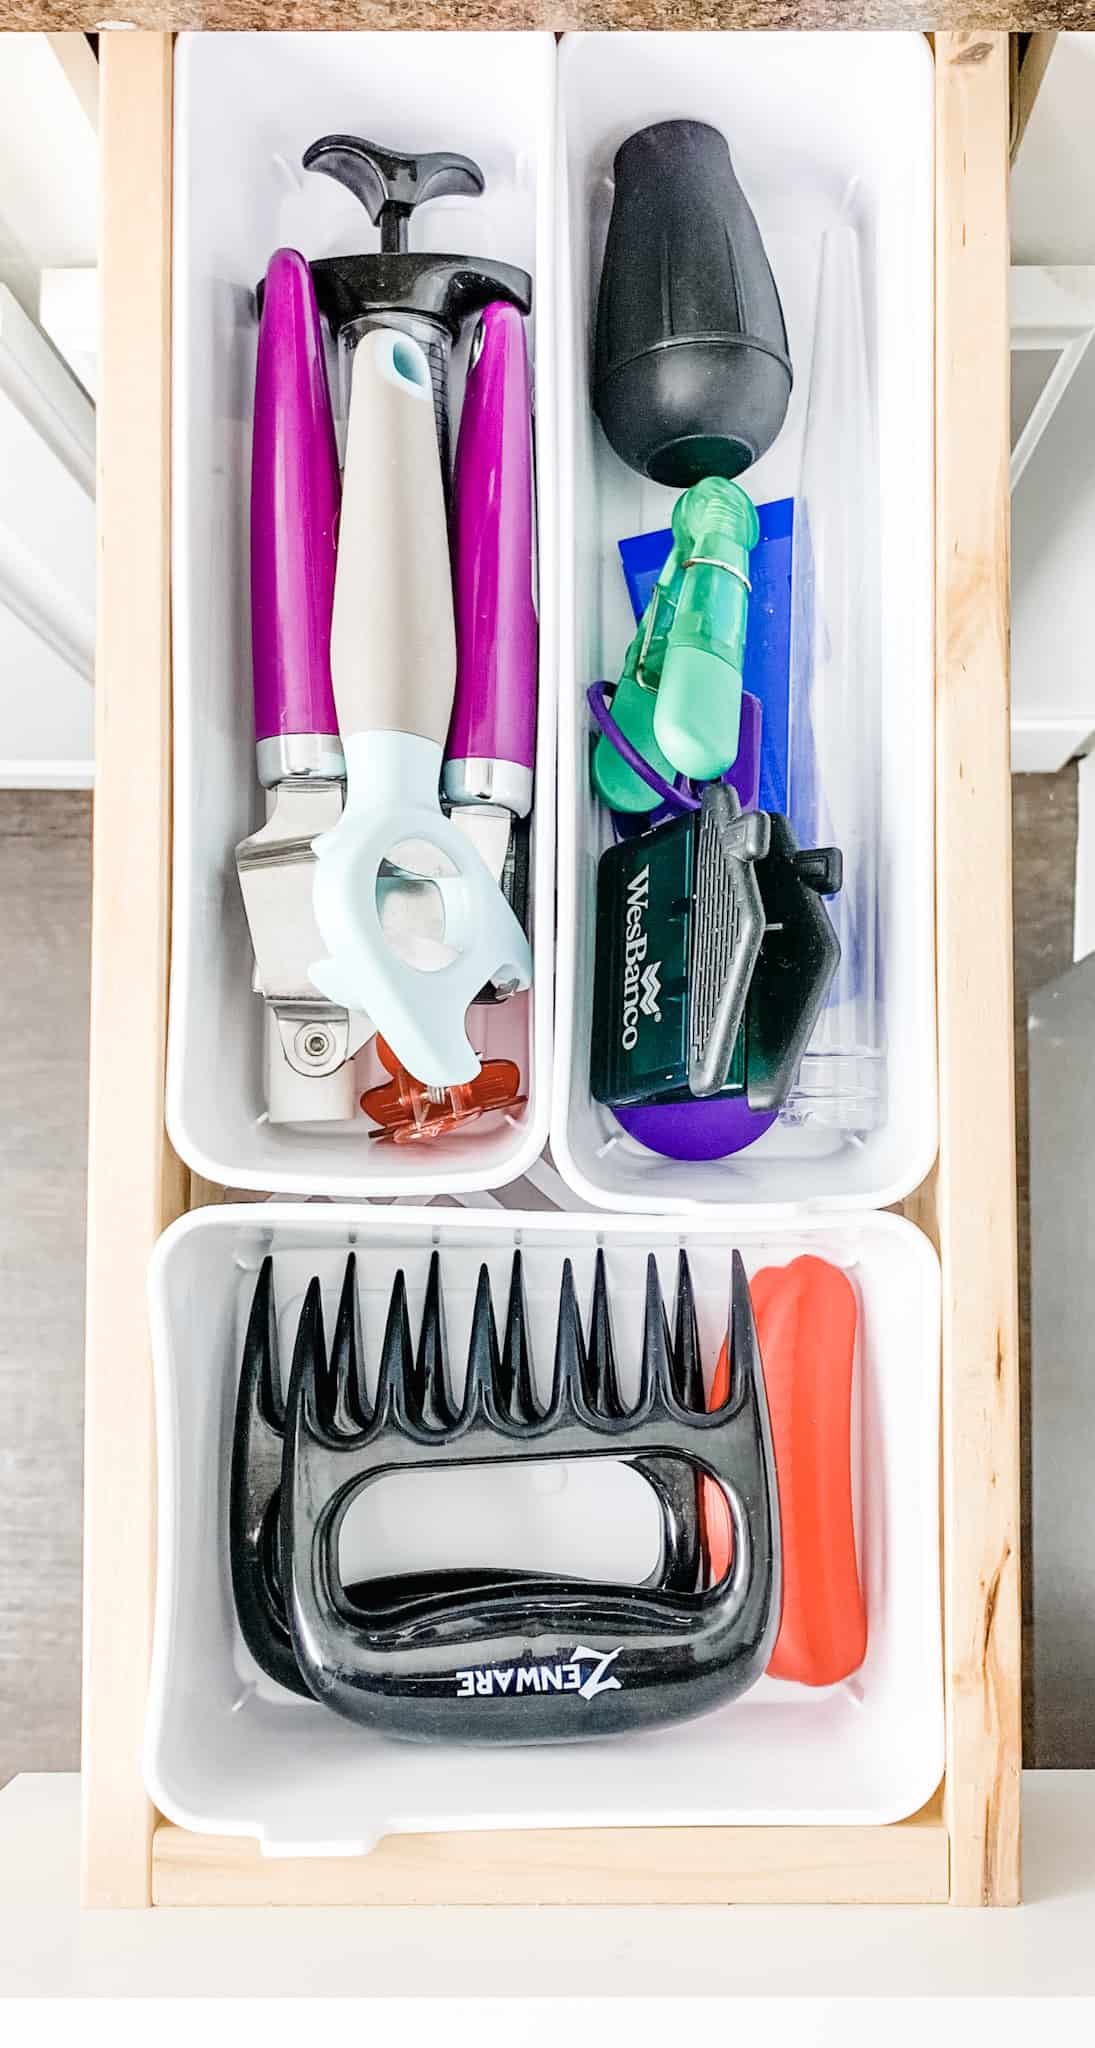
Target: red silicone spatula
<point>805,1316</point>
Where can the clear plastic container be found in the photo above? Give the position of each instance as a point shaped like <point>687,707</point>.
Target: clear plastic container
<point>834,786</point>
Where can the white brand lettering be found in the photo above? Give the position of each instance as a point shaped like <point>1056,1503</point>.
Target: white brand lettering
<point>638,898</point>
<point>582,1673</point>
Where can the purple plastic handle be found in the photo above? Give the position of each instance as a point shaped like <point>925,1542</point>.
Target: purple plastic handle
<point>494,708</point>
<point>294,510</point>
<point>696,1130</point>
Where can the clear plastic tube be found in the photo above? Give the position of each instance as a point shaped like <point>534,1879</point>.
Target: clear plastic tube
<point>835,712</point>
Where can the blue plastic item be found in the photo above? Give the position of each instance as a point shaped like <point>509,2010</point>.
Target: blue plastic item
<point>767,671</point>
<point>643,557</point>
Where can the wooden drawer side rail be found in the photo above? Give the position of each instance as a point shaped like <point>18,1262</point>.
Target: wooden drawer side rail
<point>135,1184</point>
<point>975,1192</point>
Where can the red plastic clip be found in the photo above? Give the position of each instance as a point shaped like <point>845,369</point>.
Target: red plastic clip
<point>407,1111</point>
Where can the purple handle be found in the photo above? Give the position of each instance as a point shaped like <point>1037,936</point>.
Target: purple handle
<point>696,1130</point>
<point>494,708</point>
<point>294,511</point>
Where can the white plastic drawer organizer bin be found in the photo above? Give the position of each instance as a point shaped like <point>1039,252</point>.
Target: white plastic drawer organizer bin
<point>230,1752</point>
<point>831,139</point>
<point>246,109</point>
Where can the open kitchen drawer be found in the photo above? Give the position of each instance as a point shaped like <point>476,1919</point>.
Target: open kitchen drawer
<point>965,1844</point>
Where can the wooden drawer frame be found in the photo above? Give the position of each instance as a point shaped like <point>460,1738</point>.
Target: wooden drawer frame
<point>965,1844</point>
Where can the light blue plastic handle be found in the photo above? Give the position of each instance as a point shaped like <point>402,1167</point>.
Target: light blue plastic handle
<point>392,795</point>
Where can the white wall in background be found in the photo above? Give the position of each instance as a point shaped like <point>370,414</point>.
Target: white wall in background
<point>48,165</point>
<point>1053,506</point>
<point>68,311</point>
<point>48,223</point>
<point>47,733</point>
<point>47,561</point>
<point>1053,183</point>
<point>1053,577</point>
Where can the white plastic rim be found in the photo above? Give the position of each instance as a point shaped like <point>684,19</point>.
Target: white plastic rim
<point>246,106</point>
<point>830,133</point>
<point>228,1752</point>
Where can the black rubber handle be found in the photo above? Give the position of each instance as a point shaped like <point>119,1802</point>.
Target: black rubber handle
<point>390,183</point>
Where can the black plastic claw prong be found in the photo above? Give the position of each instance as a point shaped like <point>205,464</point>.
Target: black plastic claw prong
<point>260,1350</point>
<point>670,1478</point>
<point>656,1373</point>
<point>348,1396</point>
<point>310,1358</point>
<point>518,1389</point>
<point>482,1387</point>
<point>742,1347</point>
<point>602,1379</point>
<point>571,1369</point>
<point>395,1378</point>
<point>254,1493</point>
<point>432,1388</point>
<point>687,1364</point>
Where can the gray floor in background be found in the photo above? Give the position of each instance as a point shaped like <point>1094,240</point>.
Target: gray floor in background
<point>1062,1436</point>
<point>44,893</point>
<point>45,877</point>
<point>1044,813</point>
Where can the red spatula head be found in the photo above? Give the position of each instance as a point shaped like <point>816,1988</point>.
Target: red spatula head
<point>806,1322</point>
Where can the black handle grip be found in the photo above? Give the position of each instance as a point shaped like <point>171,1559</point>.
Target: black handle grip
<point>390,183</point>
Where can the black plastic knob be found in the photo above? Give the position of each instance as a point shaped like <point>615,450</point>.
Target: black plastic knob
<point>419,291</point>
<point>691,374</point>
<point>389,183</point>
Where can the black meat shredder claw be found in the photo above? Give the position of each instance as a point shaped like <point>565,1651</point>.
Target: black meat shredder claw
<point>258,1446</point>
<point>670,1478</point>
<point>536,1660</point>
<point>687,1371</point>
<point>257,1443</point>
<point>510,1372</point>
<point>257,1453</point>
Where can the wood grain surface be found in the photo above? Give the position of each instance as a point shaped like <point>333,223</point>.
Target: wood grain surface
<point>135,1184</point>
<point>572,1866</point>
<point>975,1191</point>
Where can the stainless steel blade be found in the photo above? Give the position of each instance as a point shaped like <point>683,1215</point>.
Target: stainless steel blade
<point>275,867</point>
<point>489,831</point>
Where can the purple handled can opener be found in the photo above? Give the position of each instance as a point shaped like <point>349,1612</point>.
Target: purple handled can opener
<point>295,495</point>
<point>487,778</point>
<point>488,772</point>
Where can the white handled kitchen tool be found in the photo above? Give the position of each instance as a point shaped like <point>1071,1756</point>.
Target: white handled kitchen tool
<point>393,665</point>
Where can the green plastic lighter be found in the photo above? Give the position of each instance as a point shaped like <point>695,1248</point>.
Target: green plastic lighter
<point>678,699</point>
<point>697,713</point>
